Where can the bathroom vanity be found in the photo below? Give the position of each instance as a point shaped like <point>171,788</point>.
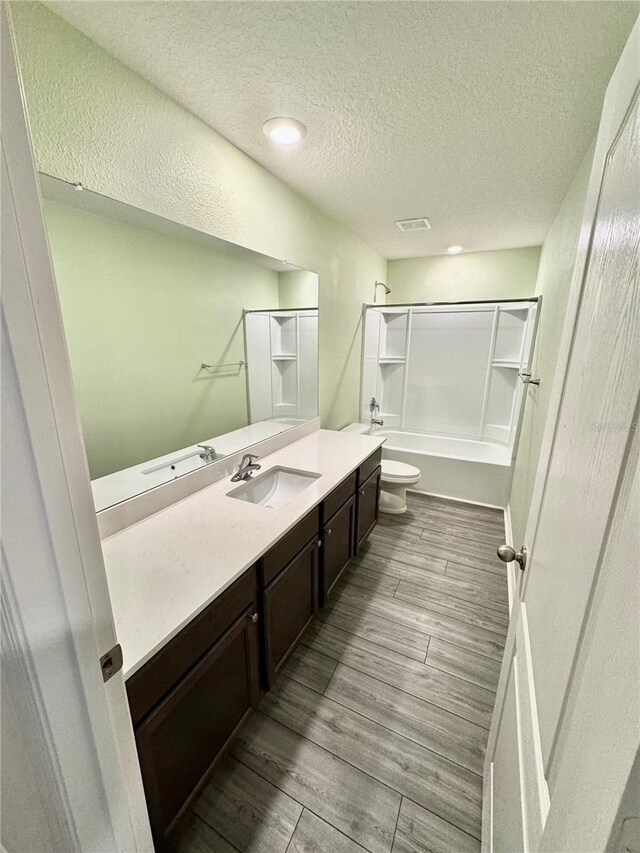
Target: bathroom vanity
<point>232,585</point>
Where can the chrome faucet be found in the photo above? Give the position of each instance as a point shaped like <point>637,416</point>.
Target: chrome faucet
<point>246,467</point>
<point>208,454</point>
<point>374,407</point>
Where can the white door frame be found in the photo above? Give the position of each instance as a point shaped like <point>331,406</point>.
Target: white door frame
<point>57,619</point>
<point>619,96</point>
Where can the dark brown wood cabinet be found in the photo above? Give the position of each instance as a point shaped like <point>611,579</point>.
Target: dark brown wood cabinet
<point>367,502</point>
<point>180,741</point>
<point>191,698</point>
<point>338,537</point>
<point>289,604</point>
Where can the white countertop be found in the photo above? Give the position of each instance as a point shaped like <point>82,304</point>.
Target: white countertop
<point>167,568</point>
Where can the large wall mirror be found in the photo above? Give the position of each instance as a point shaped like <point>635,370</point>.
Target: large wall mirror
<point>184,348</point>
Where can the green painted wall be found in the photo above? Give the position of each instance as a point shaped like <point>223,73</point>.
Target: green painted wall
<point>509,273</point>
<point>94,120</point>
<point>141,312</point>
<point>554,282</point>
<point>298,289</point>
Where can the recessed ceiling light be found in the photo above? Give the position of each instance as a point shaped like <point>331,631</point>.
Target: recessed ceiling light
<point>454,250</point>
<point>284,131</point>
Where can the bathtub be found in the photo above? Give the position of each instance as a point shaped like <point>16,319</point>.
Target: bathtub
<point>478,471</point>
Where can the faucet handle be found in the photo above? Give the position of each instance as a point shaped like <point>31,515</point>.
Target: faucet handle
<point>205,447</point>
<point>250,457</point>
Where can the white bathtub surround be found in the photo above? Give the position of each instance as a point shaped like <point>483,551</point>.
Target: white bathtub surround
<point>448,380</point>
<point>165,569</point>
<point>282,369</point>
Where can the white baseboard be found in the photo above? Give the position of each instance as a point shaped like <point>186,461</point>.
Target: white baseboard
<point>455,500</point>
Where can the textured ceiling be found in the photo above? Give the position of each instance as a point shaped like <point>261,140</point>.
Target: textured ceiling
<point>474,114</point>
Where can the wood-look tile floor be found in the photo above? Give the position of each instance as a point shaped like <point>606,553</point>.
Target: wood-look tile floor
<point>373,737</point>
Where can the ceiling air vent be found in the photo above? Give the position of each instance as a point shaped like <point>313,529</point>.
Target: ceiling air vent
<point>421,224</point>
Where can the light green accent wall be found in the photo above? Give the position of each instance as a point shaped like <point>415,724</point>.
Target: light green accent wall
<point>141,313</point>
<point>554,283</point>
<point>94,120</point>
<point>298,289</point>
<point>504,274</point>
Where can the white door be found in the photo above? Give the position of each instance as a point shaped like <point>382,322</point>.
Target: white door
<point>70,775</point>
<point>566,727</point>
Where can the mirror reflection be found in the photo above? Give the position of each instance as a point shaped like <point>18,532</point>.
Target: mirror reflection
<point>184,348</point>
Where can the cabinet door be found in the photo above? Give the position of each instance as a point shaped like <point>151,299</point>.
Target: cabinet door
<point>368,498</point>
<point>289,604</point>
<point>180,740</point>
<point>337,546</point>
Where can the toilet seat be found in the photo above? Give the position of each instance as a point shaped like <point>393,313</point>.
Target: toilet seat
<point>399,473</point>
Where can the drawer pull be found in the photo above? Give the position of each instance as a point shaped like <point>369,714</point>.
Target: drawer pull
<point>254,617</point>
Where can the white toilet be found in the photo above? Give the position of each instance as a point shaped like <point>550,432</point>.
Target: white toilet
<point>396,477</point>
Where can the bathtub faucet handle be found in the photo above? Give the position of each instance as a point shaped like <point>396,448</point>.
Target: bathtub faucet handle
<point>374,406</point>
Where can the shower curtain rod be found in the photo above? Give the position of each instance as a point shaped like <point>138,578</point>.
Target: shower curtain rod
<point>458,302</point>
<point>275,310</point>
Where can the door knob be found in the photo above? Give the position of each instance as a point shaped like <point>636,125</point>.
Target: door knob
<point>508,554</point>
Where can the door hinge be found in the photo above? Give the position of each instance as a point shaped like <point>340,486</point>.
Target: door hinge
<point>111,662</point>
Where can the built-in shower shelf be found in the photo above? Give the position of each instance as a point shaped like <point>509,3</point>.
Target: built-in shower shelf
<point>392,359</point>
<point>505,362</point>
<point>284,356</point>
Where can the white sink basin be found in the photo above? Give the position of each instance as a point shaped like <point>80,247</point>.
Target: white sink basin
<point>275,487</point>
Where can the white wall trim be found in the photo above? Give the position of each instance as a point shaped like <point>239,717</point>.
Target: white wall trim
<point>52,560</point>
<point>455,500</point>
<point>617,98</point>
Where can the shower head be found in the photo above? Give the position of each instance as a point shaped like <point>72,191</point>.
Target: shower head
<point>382,284</point>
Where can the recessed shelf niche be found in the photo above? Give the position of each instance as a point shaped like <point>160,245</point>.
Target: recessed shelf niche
<point>282,355</point>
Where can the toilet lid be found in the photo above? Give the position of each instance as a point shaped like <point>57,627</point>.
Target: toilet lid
<point>398,470</point>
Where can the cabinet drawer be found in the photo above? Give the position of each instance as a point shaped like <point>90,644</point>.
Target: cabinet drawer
<point>150,683</point>
<point>289,605</point>
<point>283,551</point>
<point>181,739</point>
<point>339,496</point>
<point>337,546</point>
<point>369,466</point>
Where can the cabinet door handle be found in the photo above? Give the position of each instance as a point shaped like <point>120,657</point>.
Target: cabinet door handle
<point>254,617</point>
<point>361,491</point>
<point>328,531</point>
